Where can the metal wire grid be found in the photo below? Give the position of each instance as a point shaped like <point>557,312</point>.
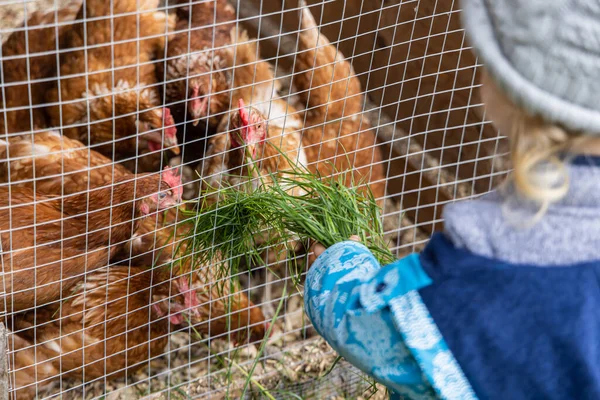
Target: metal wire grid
<point>182,360</point>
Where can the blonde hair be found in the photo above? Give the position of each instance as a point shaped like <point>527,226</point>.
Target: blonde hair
<point>539,149</point>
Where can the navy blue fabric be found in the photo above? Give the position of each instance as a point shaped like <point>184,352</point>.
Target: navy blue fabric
<point>517,331</point>
<point>586,161</point>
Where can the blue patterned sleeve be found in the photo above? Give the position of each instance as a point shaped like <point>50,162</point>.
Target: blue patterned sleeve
<point>339,304</point>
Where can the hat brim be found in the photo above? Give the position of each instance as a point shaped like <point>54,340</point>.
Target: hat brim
<point>479,27</point>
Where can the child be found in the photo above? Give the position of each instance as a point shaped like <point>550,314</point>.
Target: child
<point>505,304</point>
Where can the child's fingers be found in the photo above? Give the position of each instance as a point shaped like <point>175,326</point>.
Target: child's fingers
<point>318,249</point>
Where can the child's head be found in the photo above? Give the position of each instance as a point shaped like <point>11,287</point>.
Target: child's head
<point>541,84</point>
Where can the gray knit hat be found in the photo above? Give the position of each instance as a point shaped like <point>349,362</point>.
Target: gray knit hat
<point>544,53</point>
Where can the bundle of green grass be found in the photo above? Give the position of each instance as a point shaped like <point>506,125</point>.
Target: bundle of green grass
<point>284,209</point>
<point>293,207</point>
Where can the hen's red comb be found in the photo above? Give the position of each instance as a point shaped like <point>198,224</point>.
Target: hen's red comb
<point>167,115</point>
<point>169,122</point>
<point>172,178</point>
<point>244,116</point>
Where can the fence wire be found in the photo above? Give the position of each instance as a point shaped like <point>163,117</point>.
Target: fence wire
<point>105,295</point>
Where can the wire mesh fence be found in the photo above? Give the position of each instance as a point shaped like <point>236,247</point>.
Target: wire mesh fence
<point>115,111</point>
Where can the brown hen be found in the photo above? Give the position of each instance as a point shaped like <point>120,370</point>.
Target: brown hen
<point>260,137</point>
<point>109,95</point>
<point>195,74</point>
<point>55,165</point>
<point>336,133</point>
<point>117,320</point>
<point>109,315</point>
<point>261,134</point>
<point>49,243</point>
<point>213,302</point>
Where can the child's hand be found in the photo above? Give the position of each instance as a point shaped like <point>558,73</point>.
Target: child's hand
<point>318,248</point>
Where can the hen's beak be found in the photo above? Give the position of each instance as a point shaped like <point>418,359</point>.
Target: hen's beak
<point>175,309</point>
<point>171,141</point>
<point>155,142</point>
<point>166,204</point>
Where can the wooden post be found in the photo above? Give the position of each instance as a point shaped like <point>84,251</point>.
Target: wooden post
<point>3,363</point>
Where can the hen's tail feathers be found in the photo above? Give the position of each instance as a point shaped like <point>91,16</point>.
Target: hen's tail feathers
<point>309,29</point>
<point>244,51</point>
<point>326,76</point>
<point>310,36</point>
<point>241,38</point>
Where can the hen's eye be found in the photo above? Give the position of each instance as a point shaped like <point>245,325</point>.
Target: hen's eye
<point>162,195</point>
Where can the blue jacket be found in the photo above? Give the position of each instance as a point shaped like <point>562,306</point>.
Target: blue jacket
<point>450,324</point>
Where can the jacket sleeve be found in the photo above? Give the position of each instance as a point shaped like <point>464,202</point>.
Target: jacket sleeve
<point>375,318</point>
<point>342,303</point>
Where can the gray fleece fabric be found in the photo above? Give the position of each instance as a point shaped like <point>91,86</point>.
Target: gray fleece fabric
<point>545,54</point>
<point>568,233</point>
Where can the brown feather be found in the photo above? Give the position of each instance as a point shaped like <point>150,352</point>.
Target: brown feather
<point>49,243</point>
<point>122,69</point>
<point>30,47</point>
<point>196,57</point>
<point>256,85</point>
<point>58,165</point>
<point>336,131</point>
<point>111,326</point>
<point>108,328</point>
